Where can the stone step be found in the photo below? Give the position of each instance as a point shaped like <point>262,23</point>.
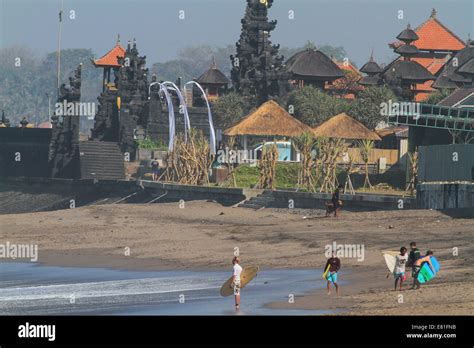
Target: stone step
<point>251,206</point>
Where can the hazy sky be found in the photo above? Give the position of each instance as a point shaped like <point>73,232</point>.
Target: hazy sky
<point>357,25</point>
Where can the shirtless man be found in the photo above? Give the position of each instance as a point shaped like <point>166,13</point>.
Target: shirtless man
<point>417,267</point>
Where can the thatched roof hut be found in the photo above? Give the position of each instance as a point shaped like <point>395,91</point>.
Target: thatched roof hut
<point>313,64</point>
<point>270,119</point>
<point>345,127</point>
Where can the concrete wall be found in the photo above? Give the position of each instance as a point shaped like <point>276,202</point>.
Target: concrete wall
<point>358,202</point>
<point>175,192</point>
<point>445,195</point>
<point>446,163</point>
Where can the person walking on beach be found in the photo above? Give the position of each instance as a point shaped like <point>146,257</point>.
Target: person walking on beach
<point>237,270</point>
<point>399,271</point>
<point>418,264</point>
<point>336,203</point>
<point>334,265</point>
<point>414,255</point>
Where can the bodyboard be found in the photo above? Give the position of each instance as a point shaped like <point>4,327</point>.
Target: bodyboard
<point>426,273</point>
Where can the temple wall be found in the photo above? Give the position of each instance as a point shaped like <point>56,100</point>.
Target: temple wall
<point>30,146</point>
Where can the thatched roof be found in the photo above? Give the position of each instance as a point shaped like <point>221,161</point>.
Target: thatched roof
<point>313,64</point>
<point>454,74</point>
<point>408,35</point>
<point>345,127</point>
<point>370,81</point>
<point>407,70</point>
<point>407,50</point>
<point>213,76</point>
<point>270,119</point>
<point>371,67</point>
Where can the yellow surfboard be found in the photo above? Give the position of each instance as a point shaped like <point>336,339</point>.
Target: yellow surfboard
<point>248,273</point>
<point>326,271</point>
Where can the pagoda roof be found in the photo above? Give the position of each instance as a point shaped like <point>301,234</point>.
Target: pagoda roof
<point>213,76</point>
<point>371,67</point>
<point>408,70</point>
<point>453,73</point>
<point>406,50</point>
<point>434,36</point>
<point>408,35</point>
<point>370,80</point>
<point>270,119</point>
<point>110,59</point>
<point>313,64</point>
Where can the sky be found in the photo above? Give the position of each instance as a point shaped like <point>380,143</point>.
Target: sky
<point>357,25</point>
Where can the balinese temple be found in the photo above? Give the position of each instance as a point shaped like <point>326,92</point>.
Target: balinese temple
<point>347,86</point>
<point>404,74</point>
<point>436,43</point>
<point>109,62</point>
<point>213,81</point>
<point>312,67</point>
<point>372,71</point>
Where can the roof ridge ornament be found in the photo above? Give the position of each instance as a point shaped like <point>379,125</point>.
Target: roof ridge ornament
<point>433,13</point>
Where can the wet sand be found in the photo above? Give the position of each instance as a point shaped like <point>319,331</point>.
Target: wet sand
<point>203,235</point>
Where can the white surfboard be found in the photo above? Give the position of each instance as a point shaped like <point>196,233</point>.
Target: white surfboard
<point>390,259</point>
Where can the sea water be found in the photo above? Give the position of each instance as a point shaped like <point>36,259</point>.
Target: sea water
<point>31,289</point>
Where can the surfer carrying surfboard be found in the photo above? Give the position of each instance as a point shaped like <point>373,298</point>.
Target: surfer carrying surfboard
<point>237,270</point>
<point>399,270</point>
<point>418,265</point>
<point>330,270</point>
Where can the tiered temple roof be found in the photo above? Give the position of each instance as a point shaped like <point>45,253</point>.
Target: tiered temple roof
<point>459,70</point>
<point>435,41</point>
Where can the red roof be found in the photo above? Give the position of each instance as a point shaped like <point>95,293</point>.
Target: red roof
<point>434,35</point>
<point>347,67</point>
<point>110,58</point>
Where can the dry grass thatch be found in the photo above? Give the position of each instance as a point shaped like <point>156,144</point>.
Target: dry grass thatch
<point>343,126</point>
<point>270,119</point>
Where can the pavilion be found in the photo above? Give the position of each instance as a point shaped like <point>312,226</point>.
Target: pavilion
<point>312,67</point>
<point>213,81</point>
<point>343,126</point>
<point>109,61</point>
<point>268,121</point>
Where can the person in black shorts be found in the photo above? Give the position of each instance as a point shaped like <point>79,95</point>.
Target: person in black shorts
<point>335,200</point>
<point>154,169</point>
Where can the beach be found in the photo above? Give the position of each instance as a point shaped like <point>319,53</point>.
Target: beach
<point>203,236</point>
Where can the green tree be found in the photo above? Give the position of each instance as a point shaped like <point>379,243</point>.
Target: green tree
<point>312,106</point>
<point>436,97</point>
<point>229,109</point>
<point>366,108</point>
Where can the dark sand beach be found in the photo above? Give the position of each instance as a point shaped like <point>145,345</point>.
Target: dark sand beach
<point>203,235</point>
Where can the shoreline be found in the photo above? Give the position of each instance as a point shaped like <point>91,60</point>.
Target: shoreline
<point>203,236</point>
